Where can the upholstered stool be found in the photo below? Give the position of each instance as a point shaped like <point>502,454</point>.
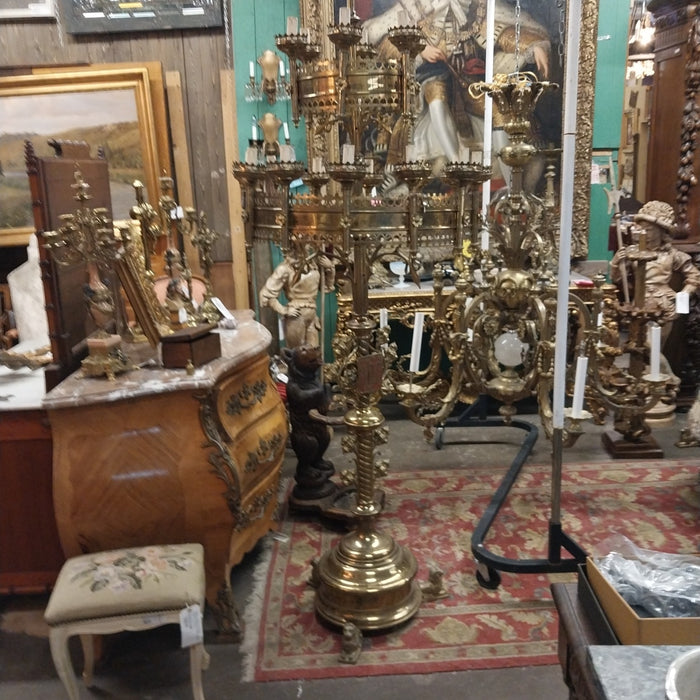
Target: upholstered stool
<point>125,590</point>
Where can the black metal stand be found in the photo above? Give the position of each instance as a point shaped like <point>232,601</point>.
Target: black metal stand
<point>477,409</point>
<point>489,564</point>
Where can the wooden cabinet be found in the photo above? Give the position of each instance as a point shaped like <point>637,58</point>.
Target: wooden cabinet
<point>581,624</point>
<point>674,19</point>
<point>163,456</point>
<point>30,553</point>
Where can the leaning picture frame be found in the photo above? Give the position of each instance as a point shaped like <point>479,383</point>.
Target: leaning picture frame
<point>107,16</point>
<point>137,283</point>
<point>105,107</point>
<point>27,9</point>
<point>317,15</point>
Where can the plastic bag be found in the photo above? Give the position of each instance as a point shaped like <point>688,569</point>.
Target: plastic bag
<point>657,584</point>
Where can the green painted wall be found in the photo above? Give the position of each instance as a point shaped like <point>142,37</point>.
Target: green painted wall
<point>613,28</point>
<point>255,25</point>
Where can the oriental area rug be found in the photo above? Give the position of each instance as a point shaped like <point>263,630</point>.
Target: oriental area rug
<point>656,504</point>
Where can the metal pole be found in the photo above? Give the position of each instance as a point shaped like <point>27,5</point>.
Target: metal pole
<point>565,225</point>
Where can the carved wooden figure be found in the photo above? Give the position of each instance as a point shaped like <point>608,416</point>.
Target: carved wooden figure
<point>310,434</point>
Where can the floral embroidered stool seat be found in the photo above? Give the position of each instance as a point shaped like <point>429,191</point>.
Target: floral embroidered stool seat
<point>127,589</point>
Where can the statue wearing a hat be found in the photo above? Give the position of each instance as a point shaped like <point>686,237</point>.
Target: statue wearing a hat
<point>655,222</point>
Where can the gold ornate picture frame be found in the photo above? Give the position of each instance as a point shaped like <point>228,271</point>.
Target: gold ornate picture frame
<point>137,283</point>
<point>63,99</point>
<point>29,9</point>
<point>318,15</point>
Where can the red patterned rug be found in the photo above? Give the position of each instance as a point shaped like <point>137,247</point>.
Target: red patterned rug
<point>655,504</point>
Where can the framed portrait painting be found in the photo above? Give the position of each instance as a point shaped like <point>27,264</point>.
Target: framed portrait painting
<point>105,16</point>
<point>109,109</point>
<point>528,37</point>
<point>27,9</point>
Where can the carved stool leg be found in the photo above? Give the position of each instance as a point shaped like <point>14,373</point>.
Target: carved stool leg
<point>58,640</point>
<point>199,661</point>
<point>87,641</point>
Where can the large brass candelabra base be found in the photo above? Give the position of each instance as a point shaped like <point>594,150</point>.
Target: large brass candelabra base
<point>369,580</point>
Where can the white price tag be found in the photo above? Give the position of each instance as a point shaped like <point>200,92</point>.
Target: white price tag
<point>191,632</point>
<point>221,308</point>
<point>682,303</point>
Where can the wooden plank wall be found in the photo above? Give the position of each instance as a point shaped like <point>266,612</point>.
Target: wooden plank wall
<point>197,55</point>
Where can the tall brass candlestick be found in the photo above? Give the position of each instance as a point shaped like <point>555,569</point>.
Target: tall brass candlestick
<point>367,579</point>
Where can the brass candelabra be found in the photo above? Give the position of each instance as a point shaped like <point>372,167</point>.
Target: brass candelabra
<point>496,324</point>
<point>628,389</point>
<point>493,304</point>
<point>87,235</point>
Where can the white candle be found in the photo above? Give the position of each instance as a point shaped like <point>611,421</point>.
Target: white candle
<point>383,318</point>
<point>348,153</point>
<point>579,386</point>
<point>416,342</point>
<point>344,15</point>
<point>316,164</point>
<point>410,153</point>
<point>292,25</point>
<point>484,239</point>
<point>285,126</point>
<point>655,353</point>
<point>254,131</point>
<point>287,154</point>
<point>682,303</point>
<point>251,69</point>
<point>403,18</point>
<point>251,155</point>
<point>281,69</point>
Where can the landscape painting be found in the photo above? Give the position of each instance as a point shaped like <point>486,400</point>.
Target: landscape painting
<point>105,119</point>
<point>109,109</point>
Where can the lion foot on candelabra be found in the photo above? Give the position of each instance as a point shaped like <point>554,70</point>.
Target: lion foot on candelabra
<point>434,589</point>
<point>351,644</point>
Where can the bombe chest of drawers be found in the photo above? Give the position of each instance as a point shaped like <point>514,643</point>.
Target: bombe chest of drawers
<point>169,456</point>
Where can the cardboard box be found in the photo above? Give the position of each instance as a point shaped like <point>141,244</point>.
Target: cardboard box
<point>601,631</point>
<point>629,627</point>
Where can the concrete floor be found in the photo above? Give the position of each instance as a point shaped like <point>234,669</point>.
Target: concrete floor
<point>150,665</point>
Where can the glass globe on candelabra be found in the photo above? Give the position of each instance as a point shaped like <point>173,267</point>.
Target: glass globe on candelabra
<point>509,350</point>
